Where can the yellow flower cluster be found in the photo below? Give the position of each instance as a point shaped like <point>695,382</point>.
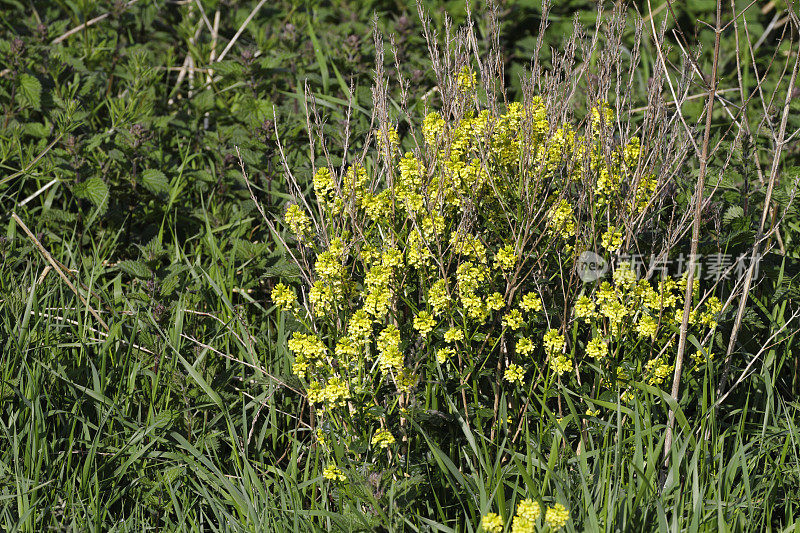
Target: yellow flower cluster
<point>492,523</point>
<point>505,259</point>
<point>284,297</point>
<point>556,517</point>
<point>553,342</point>
<point>611,239</point>
<point>658,370</point>
<point>531,302</point>
<point>514,374</point>
<point>513,320</point>
<point>383,438</point>
<point>437,296</point>
<point>597,348</point>
<point>561,219</point>
<point>389,355</point>
<point>308,350</point>
<point>333,473</point>
<point>334,394</point>
<point>298,223</point>
<point>466,80</point>
<point>525,346</point>
<point>424,323</point>
<point>528,512</point>
<point>453,335</point>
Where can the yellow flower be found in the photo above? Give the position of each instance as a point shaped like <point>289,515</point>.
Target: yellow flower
<point>424,323</point>
<point>284,297</point>
<point>531,302</point>
<point>505,258</point>
<point>453,335</point>
<point>443,354</point>
<point>528,512</point>
<point>495,301</point>
<point>556,517</point>
<point>597,348</point>
<point>611,239</point>
<point>513,319</point>
<point>553,342</point>
<point>584,308</point>
<point>492,523</point>
<point>333,473</point>
<point>525,346</point>
<point>383,438</point>
<point>466,79</point>
<point>298,223</point>
<point>647,326</point>
<point>514,373</point>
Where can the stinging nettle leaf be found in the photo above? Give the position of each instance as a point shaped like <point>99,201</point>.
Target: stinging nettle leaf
<point>136,269</point>
<point>96,191</point>
<point>155,181</point>
<point>30,90</point>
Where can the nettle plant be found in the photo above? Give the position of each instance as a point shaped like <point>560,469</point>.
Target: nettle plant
<point>442,269</point>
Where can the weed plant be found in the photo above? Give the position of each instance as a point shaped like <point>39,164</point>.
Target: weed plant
<point>441,320</point>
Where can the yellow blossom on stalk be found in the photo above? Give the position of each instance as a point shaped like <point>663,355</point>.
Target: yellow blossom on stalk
<point>495,301</point>
<point>528,512</point>
<point>466,79</point>
<point>647,326</point>
<point>492,523</point>
<point>443,354</point>
<point>701,358</point>
<point>324,185</point>
<point>556,517</point>
<point>584,309</point>
<point>561,219</point>
<point>453,335</point>
<point>644,192</point>
<point>513,319</point>
<point>658,370</point>
<point>505,258</point>
<point>424,323</point>
<point>383,438</point>
<point>514,373</point>
<point>360,327</point>
<point>531,302</point>
<point>601,112</point>
<point>611,239</point>
<point>333,473</point>
<point>392,145</point>
<point>624,276</point>
<point>560,363</point>
<point>525,346</point>
<point>284,297</point>
<point>335,394</point>
<point>406,380</point>
<point>468,245</point>
<point>553,342</point>
<point>432,127</point>
<point>709,316</point>
<point>298,223</point>
<point>597,348</point>
<point>437,296</point>
<point>389,355</point>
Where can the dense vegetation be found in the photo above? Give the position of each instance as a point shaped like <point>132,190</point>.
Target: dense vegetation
<point>298,266</point>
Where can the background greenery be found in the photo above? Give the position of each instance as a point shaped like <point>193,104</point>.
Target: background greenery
<point>118,149</point>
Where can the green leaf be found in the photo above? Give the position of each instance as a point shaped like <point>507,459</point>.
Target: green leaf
<point>30,91</point>
<point>136,269</point>
<point>155,181</point>
<point>732,213</point>
<point>95,190</point>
